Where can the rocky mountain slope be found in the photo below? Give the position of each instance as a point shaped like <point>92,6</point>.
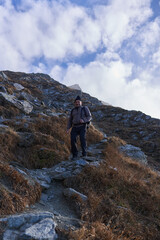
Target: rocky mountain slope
<point>27,95</point>
<point>35,149</point>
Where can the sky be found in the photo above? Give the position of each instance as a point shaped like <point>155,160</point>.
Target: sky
<point>111,48</point>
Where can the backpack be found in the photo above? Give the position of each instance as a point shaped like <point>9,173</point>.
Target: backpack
<point>87,123</point>
<point>83,108</point>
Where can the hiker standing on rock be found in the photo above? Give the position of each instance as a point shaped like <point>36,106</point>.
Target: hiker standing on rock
<point>79,118</point>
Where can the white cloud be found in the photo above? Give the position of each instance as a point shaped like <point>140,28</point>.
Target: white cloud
<point>108,83</point>
<point>119,22</point>
<point>60,32</point>
<point>147,39</point>
<point>57,72</point>
<point>156,57</point>
<point>102,81</point>
<point>48,29</point>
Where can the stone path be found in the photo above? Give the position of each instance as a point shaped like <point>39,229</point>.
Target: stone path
<point>55,207</point>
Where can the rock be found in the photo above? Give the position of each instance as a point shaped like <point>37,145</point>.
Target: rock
<point>3,89</point>
<point>95,164</point>
<point>26,106</point>
<point>70,192</point>
<point>2,126</point>
<point>41,176</point>
<point>4,76</point>
<point>38,225</point>
<point>22,105</point>
<point>11,234</point>
<point>134,152</point>
<point>45,229</point>
<point>81,162</point>
<point>75,86</point>
<point>44,197</point>
<point>18,86</point>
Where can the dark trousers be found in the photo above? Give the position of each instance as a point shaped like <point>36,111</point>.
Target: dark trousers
<point>81,131</point>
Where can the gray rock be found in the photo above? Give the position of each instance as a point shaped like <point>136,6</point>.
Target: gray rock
<point>18,86</point>
<point>40,175</point>
<point>3,89</point>
<point>33,218</point>
<point>3,126</point>
<point>70,192</point>
<point>95,164</point>
<point>45,229</point>
<point>62,176</point>
<point>43,184</point>
<point>81,162</point>
<point>134,152</point>
<point>44,197</point>
<point>76,86</point>
<point>4,76</point>
<point>11,235</point>
<point>15,222</point>
<point>26,106</point>
<point>22,105</point>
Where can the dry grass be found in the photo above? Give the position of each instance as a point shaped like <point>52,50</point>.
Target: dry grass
<point>9,111</point>
<point>16,192</point>
<point>123,197</point>
<point>91,232</point>
<point>93,135</point>
<point>48,143</point>
<point>8,142</point>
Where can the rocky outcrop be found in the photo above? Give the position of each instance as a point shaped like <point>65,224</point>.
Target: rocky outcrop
<point>38,226</point>
<point>23,105</point>
<point>76,86</point>
<point>135,127</point>
<point>134,153</point>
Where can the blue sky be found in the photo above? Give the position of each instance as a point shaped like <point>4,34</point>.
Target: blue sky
<point>111,49</point>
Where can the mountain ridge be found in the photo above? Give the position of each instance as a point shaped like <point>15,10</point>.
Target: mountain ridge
<point>35,153</point>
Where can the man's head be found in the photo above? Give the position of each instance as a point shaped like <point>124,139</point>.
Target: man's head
<point>77,101</point>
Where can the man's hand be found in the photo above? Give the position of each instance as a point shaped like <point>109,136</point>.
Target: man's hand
<point>81,121</point>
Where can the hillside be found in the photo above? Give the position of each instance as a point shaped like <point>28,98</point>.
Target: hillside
<point>123,194</point>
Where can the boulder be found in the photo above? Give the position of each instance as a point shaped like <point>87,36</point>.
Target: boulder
<point>45,229</point>
<point>18,86</point>
<point>38,225</point>
<point>22,105</point>
<point>134,153</point>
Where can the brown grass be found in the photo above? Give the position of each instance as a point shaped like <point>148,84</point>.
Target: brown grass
<point>16,191</point>
<point>8,142</point>
<point>9,111</point>
<point>48,144</point>
<point>123,197</point>
<point>93,135</point>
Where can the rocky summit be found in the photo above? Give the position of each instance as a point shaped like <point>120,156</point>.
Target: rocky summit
<point>39,198</point>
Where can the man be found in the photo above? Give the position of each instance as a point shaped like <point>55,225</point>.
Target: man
<point>79,117</point>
